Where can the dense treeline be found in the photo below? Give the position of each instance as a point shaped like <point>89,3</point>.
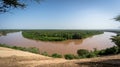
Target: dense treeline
<point>58,35</point>
<point>5,32</point>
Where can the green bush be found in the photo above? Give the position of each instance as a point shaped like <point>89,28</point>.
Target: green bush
<point>113,50</point>
<point>69,56</point>
<point>33,50</point>
<point>45,54</point>
<point>91,54</point>
<point>96,51</point>
<point>109,51</point>
<point>116,40</point>
<point>82,52</point>
<point>101,52</point>
<point>55,55</point>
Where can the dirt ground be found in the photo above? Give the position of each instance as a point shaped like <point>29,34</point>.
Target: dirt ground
<point>16,58</point>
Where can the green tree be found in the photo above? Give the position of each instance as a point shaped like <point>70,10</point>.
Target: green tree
<point>55,55</point>
<point>82,52</point>
<point>116,40</point>
<point>6,5</point>
<point>76,36</point>
<point>69,56</point>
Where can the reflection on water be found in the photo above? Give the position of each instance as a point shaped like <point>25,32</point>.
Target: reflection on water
<point>101,41</point>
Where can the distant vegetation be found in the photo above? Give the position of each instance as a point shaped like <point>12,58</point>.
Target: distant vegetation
<point>55,55</point>
<point>70,56</point>
<point>58,35</point>
<point>5,32</point>
<point>82,53</point>
<point>30,49</point>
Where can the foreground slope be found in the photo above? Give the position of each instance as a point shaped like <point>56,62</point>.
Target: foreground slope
<point>16,58</point>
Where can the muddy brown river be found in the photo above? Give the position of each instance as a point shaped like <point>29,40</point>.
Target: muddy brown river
<point>100,41</point>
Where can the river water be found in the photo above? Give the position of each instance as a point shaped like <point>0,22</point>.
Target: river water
<point>100,41</point>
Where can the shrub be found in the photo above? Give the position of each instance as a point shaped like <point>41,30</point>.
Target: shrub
<point>82,52</point>
<point>96,51</point>
<point>55,55</point>
<point>91,54</point>
<point>101,52</point>
<point>69,56</point>
<point>33,50</point>
<point>116,40</point>
<point>108,51</point>
<point>76,57</point>
<point>45,54</point>
<point>112,50</point>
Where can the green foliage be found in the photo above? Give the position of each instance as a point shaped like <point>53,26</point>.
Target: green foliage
<point>82,52</point>
<point>30,49</point>
<point>45,54</point>
<point>108,51</point>
<point>70,56</point>
<point>55,55</point>
<point>5,32</point>
<point>96,52</point>
<point>58,35</point>
<point>91,54</point>
<point>6,5</point>
<point>116,40</point>
<point>33,50</point>
<point>101,52</point>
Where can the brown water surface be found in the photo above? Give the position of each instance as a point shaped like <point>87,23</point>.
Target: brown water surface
<point>100,41</point>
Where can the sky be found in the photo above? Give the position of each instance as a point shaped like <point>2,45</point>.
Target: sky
<point>64,14</point>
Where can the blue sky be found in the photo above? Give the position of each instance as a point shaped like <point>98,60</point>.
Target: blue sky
<point>64,14</point>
